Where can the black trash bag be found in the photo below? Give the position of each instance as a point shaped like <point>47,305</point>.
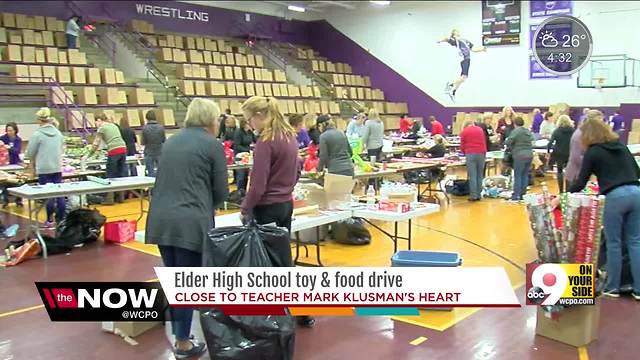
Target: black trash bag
<point>351,231</point>
<point>235,197</point>
<point>458,187</point>
<point>248,337</point>
<point>251,245</point>
<point>81,226</point>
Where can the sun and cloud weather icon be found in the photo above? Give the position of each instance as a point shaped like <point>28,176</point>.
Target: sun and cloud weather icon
<point>548,40</point>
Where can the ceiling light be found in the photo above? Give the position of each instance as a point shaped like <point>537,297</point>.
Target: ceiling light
<point>297,8</point>
<point>383,3</point>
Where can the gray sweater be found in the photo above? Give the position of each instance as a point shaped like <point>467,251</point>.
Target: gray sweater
<point>520,143</point>
<point>191,184</point>
<point>335,152</point>
<point>153,136</point>
<point>373,134</point>
<point>45,147</point>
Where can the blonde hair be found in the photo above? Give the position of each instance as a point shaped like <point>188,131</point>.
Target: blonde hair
<point>309,121</point>
<point>202,113</point>
<point>276,125</point>
<point>504,113</point>
<point>373,114</point>
<point>231,118</point>
<point>595,130</point>
<point>467,123</point>
<point>44,114</point>
<point>439,139</point>
<point>564,121</point>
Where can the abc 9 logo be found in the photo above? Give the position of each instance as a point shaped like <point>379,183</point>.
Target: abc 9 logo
<point>548,280</point>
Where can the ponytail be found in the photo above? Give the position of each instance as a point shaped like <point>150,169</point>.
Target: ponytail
<point>276,126</point>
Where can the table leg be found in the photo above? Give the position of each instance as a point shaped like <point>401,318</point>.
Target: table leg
<point>444,192</point>
<point>395,237</point>
<point>33,225</point>
<point>318,245</point>
<point>297,248</point>
<point>409,234</point>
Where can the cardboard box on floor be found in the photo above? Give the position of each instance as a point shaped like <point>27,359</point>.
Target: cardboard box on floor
<point>576,326</point>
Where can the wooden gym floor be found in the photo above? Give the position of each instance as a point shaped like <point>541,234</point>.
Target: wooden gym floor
<point>486,233</point>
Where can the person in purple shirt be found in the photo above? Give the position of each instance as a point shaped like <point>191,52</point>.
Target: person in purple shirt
<point>297,121</point>
<point>617,122</point>
<point>537,120</point>
<point>13,142</point>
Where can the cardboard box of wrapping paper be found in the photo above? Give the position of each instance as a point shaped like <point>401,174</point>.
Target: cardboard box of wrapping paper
<point>576,325</point>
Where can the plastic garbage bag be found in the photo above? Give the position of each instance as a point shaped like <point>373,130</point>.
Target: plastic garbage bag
<point>248,337</point>
<point>80,226</point>
<point>250,245</point>
<point>351,231</point>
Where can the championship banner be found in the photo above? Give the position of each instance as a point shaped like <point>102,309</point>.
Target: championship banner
<point>549,8</point>
<point>535,70</point>
<point>500,22</point>
<point>258,291</point>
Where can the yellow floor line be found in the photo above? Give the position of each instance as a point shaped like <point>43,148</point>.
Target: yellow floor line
<point>418,341</point>
<point>583,353</point>
<point>152,253</point>
<point>20,311</point>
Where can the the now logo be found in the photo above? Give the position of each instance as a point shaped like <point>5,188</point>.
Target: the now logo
<point>117,298</point>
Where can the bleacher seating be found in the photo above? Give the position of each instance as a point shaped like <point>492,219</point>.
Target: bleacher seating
<point>228,72</point>
<point>33,50</point>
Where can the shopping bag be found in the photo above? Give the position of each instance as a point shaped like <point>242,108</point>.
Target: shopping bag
<point>351,231</point>
<point>120,231</point>
<point>248,337</point>
<point>141,170</point>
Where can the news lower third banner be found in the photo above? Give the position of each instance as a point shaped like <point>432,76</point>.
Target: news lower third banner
<point>364,291</point>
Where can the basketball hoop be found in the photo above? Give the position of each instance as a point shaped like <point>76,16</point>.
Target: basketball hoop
<point>599,81</point>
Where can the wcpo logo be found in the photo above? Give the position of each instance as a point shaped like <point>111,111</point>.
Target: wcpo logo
<point>124,301</point>
<point>561,284</point>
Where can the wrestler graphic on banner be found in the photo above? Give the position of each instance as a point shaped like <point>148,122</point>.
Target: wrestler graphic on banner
<point>465,47</point>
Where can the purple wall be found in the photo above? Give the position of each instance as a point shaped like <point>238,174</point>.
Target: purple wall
<point>222,22</point>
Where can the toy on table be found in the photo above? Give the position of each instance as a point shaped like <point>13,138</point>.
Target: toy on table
<point>228,152</point>
<point>356,150</point>
<point>311,161</point>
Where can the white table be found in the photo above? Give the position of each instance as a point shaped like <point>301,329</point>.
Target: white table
<point>299,223</point>
<point>135,184</point>
<point>131,159</point>
<point>634,149</point>
<point>11,168</point>
<point>368,215</point>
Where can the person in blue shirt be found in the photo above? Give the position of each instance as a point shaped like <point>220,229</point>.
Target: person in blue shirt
<point>356,126</point>
<point>13,142</point>
<point>617,123</point>
<point>465,47</point>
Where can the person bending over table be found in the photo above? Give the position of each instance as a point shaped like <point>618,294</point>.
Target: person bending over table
<point>473,146</point>
<point>109,134</point>
<point>184,202</point>
<point>519,143</point>
<point>617,172</point>
<point>276,168</point>
<point>45,152</point>
<point>13,143</point>
<point>335,150</point>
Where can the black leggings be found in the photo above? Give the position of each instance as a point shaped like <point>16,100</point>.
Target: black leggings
<point>377,153</point>
<point>279,213</point>
<point>560,165</point>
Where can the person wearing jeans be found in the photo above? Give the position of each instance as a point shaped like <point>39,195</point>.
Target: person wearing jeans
<point>276,168</point>
<point>473,145</point>
<point>182,210</point>
<point>153,136</point>
<point>72,32</point>
<point>618,173</point>
<point>45,150</point>
<point>109,134</point>
<point>520,144</point>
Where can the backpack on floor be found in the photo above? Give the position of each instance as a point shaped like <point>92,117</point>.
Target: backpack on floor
<point>458,187</point>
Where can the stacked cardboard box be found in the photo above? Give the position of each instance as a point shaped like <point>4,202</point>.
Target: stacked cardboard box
<point>132,116</point>
<point>78,75</point>
<point>109,96</point>
<point>12,53</point>
<point>186,87</point>
<point>20,73</point>
<point>64,75</point>
<point>49,73</point>
<point>76,57</point>
<point>87,95</point>
<point>93,76</point>
<point>140,97</point>
<point>119,77</point>
<point>165,117</point>
<point>109,76</point>
<point>60,96</point>
<point>28,54</point>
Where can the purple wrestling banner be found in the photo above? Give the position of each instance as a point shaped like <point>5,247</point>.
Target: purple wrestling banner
<point>550,8</point>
